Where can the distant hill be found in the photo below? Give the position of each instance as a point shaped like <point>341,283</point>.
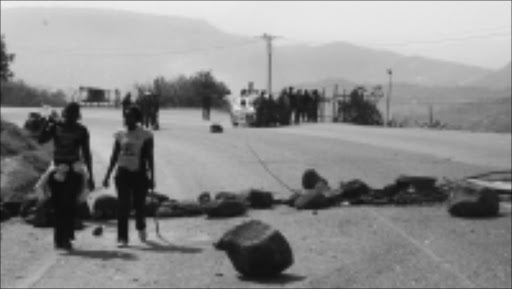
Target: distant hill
<point>408,93</point>
<point>499,79</point>
<point>489,116</point>
<point>69,47</point>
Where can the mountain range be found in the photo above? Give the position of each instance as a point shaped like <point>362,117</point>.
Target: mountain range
<point>71,47</point>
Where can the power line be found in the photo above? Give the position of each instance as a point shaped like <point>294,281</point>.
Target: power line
<point>139,53</point>
<point>444,40</point>
<point>411,42</point>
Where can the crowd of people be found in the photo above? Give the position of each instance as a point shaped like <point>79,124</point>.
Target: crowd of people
<point>149,104</point>
<point>70,172</point>
<point>292,106</point>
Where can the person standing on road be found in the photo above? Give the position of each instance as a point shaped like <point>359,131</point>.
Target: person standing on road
<point>133,155</point>
<point>126,103</point>
<point>143,103</point>
<point>315,105</point>
<point>299,98</point>
<point>154,109</point>
<point>206,104</point>
<point>65,177</point>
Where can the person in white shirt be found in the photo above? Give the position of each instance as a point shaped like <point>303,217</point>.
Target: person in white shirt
<point>133,155</point>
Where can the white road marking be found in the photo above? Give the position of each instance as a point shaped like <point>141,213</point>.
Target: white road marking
<point>425,249</point>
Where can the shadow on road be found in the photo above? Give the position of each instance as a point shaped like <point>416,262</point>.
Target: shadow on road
<point>168,247</point>
<point>281,279</point>
<point>102,254</point>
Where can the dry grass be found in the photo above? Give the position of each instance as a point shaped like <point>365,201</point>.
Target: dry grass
<point>22,162</point>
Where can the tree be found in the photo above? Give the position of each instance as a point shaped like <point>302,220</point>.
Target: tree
<point>6,60</point>
<point>186,91</point>
<point>204,82</point>
<point>362,107</point>
<point>18,93</point>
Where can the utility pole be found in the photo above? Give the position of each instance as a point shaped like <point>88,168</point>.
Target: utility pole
<point>268,38</point>
<point>388,99</point>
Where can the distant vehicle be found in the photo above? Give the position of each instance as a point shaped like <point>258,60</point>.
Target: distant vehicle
<point>242,109</point>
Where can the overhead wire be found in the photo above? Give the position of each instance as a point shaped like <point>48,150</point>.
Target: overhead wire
<point>77,51</point>
<point>480,35</point>
<point>445,40</point>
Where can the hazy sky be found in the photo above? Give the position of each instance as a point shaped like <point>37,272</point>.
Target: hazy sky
<point>471,32</point>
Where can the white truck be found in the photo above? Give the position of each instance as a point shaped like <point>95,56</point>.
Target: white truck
<point>241,109</point>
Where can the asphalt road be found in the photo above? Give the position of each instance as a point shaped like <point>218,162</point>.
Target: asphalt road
<point>339,247</point>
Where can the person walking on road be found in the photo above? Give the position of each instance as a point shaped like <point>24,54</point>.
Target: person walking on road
<point>65,177</point>
<point>133,155</point>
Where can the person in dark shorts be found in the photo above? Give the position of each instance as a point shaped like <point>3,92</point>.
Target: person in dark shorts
<point>65,179</point>
<point>133,155</point>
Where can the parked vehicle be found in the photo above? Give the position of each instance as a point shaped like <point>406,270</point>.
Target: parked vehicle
<point>242,110</point>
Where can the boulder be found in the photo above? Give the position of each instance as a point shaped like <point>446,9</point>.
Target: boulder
<point>158,196</point>
<point>204,198</point>
<point>354,190</point>
<point>334,196</point>
<point>167,211</point>
<point>224,196</point>
<point>258,199</point>
<point>225,208</point>
<point>103,206</point>
<point>190,208</point>
<point>417,183</point>
<point>309,179</point>
<point>42,215</point>
<point>256,249</point>
<point>467,200</point>
<point>389,191</point>
<point>322,186</point>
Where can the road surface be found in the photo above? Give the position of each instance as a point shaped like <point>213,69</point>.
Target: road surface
<point>339,247</point>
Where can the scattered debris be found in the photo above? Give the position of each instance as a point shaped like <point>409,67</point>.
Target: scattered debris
<point>4,213</point>
<point>175,208</point>
<point>259,199</point>
<point>216,128</point>
<point>225,208</point>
